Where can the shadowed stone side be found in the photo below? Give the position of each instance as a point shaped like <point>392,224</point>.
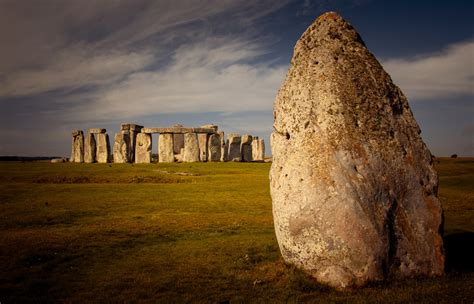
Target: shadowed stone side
<point>224,147</point>
<point>178,141</point>
<point>214,153</point>
<point>233,142</point>
<point>89,149</point>
<point>143,148</point>
<point>191,148</point>
<point>165,148</point>
<point>121,146</point>
<point>353,188</point>
<point>246,148</point>
<point>103,148</point>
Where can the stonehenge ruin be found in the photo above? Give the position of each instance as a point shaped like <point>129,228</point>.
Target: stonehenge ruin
<point>133,144</point>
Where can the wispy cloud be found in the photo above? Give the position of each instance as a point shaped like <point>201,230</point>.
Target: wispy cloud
<point>446,74</point>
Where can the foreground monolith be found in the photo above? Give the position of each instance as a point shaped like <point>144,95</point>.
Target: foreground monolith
<point>353,187</point>
<point>143,148</point>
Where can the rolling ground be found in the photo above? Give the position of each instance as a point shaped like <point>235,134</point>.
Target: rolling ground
<point>177,233</point>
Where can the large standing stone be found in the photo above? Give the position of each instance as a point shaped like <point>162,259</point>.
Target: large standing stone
<point>133,131</point>
<point>203,139</point>
<point>214,148</point>
<point>224,147</point>
<point>143,148</point>
<point>258,149</point>
<point>165,148</point>
<point>233,142</point>
<point>353,187</point>
<point>246,148</point>
<point>178,140</point>
<point>191,148</point>
<point>103,148</point>
<point>89,149</point>
<point>77,154</point>
<point>121,146</point>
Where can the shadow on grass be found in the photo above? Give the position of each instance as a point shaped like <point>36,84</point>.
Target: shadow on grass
<point>459,249</point>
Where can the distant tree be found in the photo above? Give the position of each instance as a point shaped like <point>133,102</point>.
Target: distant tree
<point>454,156</point>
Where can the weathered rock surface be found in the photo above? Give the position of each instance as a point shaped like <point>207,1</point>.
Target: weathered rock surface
<point>211,126</point>
<point>191,148</point>
<point>89,149</point>
<point>178,140</point>
<point>133,130</point>
<point>224,147</point>
<point>165,148</point>
<point>353,188</point>
<point>214,153</point>
<point>233,142</point>
<point>77,153</point>
<point>178,130</point>
<point>258,149</point>
<point>143,148</point>
<point>246,148</point>
<point>96,130</point>
<point>121,146</point>
<point>203,144</point>
<point>102,148</point>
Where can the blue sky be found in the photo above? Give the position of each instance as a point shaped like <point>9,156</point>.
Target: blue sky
<point>75,64</point>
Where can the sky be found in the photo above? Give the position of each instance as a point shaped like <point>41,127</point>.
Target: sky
<point>74,64</point>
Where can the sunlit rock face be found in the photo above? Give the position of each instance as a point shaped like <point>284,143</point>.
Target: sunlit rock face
<point>353,187</point>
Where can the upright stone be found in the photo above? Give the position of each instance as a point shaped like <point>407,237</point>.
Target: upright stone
<point>203,139</point>
<point>121,146</point>
<point>214,148</point>
<point>258,149</point>
<point>133,130</point>
<point>165,148</point>
<point>143,148</point>
<point>103,148</point>
<point>78,146</point>
<point>233,142</point>
<point>191,148</point>
<point>246,148</point>
<point>178,140</point>
<point>224,147</point>
<point>353,187</point>
<point>89,148</point>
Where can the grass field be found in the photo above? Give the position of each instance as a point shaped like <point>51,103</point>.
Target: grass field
<point>177,233</point>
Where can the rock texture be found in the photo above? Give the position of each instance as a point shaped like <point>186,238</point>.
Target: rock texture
<point>233,142</point>
<point>133,130</point>
<point>246,148</point>
<point>89,149</point>
<point>224,147</point>
<point>214,153</point>
<point>77,153</point>
<point>353,187</point>
<point>178,140</point>
<point>165,148</point>
<point>203,139</point>
<point>121,146</point>
<point>258,149</point>
<point>191,148</point>
<point>143,148</point>
<point>102,148</point>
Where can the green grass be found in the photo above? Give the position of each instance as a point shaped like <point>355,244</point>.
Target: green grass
<point>177,233</point>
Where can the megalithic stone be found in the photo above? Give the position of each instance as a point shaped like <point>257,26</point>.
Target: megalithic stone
<point>89,148</point>
<point>78,146</point>
<point>233,142</point>
<point>258,149</point>
<point>103,148</point>
<point>246,148</point>
<point>224,147</point>
<point>353,187</point>
<point>165,148</point>
<point>133,130</point>
<point>214,153</point>
<point>71,159</point>
<point>178,140</point>
<point>121,146</point>
<point>143,148</point>
<point>203,139</point>
<point>191,148</point>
